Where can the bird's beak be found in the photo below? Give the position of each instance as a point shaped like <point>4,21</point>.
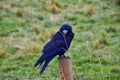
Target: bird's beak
<point>65,32</point>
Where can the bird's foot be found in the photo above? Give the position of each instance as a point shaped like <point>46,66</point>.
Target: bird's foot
<point>63,56</point>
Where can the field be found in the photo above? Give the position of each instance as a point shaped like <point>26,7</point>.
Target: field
<point>27,25</point>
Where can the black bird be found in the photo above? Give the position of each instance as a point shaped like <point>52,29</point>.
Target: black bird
<point>58,45</point>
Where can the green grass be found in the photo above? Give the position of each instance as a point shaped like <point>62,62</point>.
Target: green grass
<point>26,26</point>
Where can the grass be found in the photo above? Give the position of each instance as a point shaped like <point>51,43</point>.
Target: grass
<point>26,26</point>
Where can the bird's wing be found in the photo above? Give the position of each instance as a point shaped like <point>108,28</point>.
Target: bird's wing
<point>56,42</point>
<point>54,45</point>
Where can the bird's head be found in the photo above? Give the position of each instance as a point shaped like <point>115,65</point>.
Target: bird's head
<point>66,29</point>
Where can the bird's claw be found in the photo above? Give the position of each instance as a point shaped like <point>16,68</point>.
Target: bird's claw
<point>63,56</point>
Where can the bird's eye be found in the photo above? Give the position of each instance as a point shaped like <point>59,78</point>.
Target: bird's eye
<point>65,32</point>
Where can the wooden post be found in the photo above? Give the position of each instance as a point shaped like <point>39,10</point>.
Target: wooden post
<point>65,68</point>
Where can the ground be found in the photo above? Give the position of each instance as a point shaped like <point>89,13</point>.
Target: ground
<point>26,26</point>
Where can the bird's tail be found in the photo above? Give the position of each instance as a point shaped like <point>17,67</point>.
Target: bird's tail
<point>45,64</point>
<point>40,60</point>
